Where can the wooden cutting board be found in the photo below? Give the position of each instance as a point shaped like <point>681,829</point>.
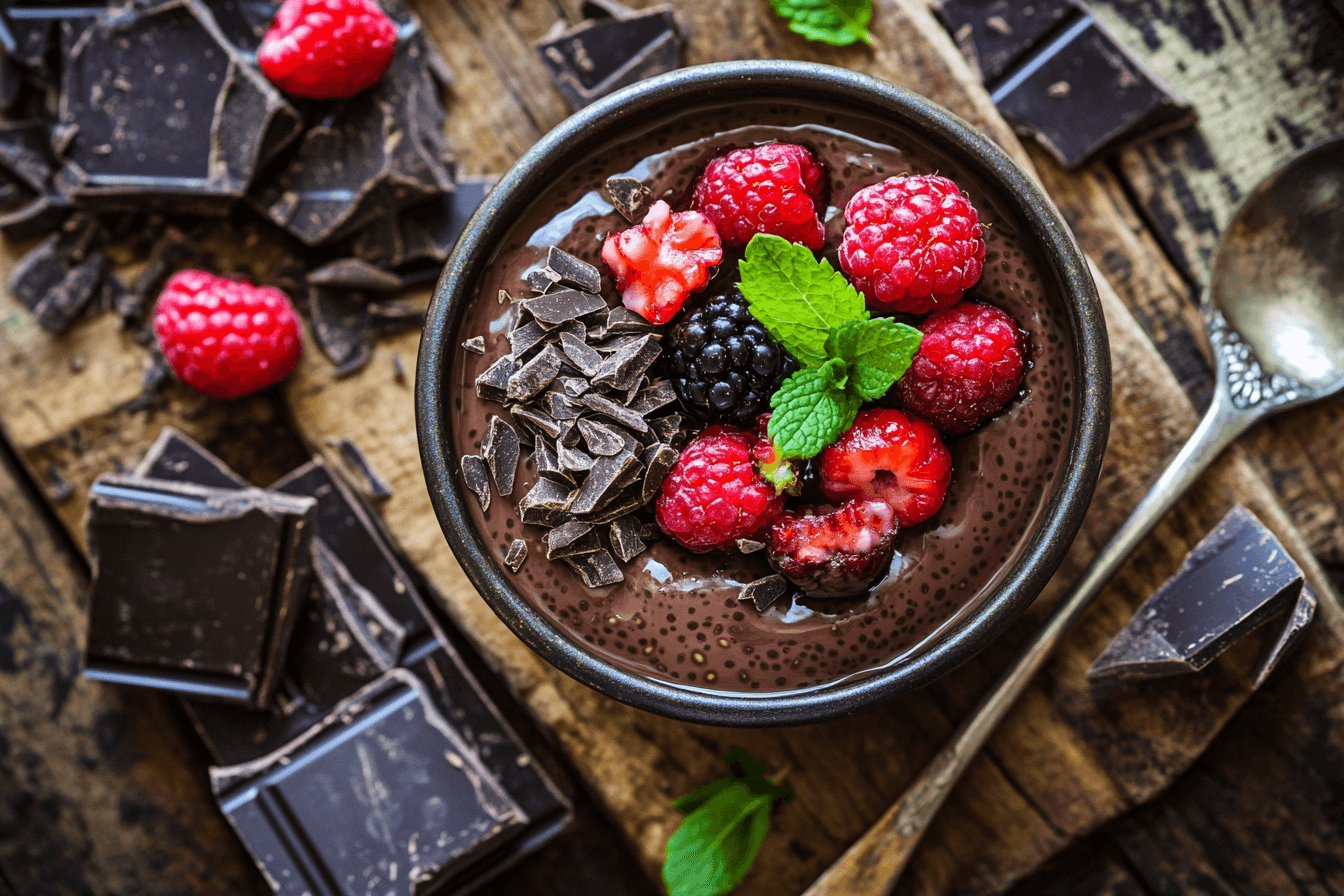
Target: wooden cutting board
<point>1066,761</point>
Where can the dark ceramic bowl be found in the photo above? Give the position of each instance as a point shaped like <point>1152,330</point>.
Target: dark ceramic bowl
<point>1021,484</point>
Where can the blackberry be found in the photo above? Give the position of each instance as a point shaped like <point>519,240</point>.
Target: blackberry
<point>723,364</point>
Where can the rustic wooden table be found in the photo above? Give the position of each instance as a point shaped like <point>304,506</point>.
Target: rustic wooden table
<point>1190,785</point>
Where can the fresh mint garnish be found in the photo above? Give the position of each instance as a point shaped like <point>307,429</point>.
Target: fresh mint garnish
<point>836,22</point>
<point>818,317</point>
<point>726,823</point>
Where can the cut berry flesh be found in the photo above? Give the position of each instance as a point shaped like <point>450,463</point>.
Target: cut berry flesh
<point>723,364</point>
<point>893,458</point>
<point>775,188</point>
<point>713,495</point>
<point>660,262</point>
<point>835,554</point>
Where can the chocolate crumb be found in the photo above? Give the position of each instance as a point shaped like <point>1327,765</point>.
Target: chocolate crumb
<point>516,555</point>
<point>763,593</point>
<point>477,479</point>
<point>625,540</point>
<point>475,344</point>
<point>500,450</point>
<point>630,197</point>
<point>750,545</point>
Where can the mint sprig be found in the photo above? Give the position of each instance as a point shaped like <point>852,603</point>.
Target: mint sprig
<point>726,822</point>
<point>836,22</point>
<point>818,317</point>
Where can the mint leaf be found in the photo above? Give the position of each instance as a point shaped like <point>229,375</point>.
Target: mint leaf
<point>878,353</point>
<point>689,802</point>
<point>797,297</point>
<point>835,22</point>
<point>809,412</point>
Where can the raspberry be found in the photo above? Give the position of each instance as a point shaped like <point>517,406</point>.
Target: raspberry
<point>968,366</point>
<point>890,457</point>
<point>225,338</point>
<point>327,49</point>
<point>659,263</point>
<point>713,495</point>
<point>834,554</point>
<point>775,188</point>
<point>724,365</point>
<point>913,244</point>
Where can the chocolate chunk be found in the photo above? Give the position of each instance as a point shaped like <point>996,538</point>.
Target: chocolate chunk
<point>570,540</point>
<point>650,532</point>
<point>170,249</point>
<point>1083,95</point>
<point>622,320</point>
<point>750,545</point>
<point>597,569</point>
<point>995,35</point>
<point>658,460</point>
<point>1290,633</point>
<point>67,300</point>
<point>630,197</point>
<point>343,327</point>
<point>586,359</point>
<point>354,273</point>
<point>38,272</point>
<point>476,476</point>
<point>195,590</point>
<point>656,395</point>
<point>562,306</point>
<point>417,241</point>
<point>493,384</point>
<point>764,593</point>
<point>542,281</point>
<point>569,434</point>
<point>628,499</point>
<point>174,456</point>
<point>381,636</point>
<point>516,555</point>
<point>566,270</point>
<point>625,367</point>
<point>547,464</point>
<point>170,114</point>
<point>667,428</point>
<point>500,450</point>
<point>608,408</point>
<point>1238,576</point>
<point>534,376</point>
<point>596,58</point>
<point>573,385</point>
<point>545,504</point>
<point>602,440</point>
<point>475,345</point>
<point>572,459</point>
<point>562,407</point>
<point>525,338</point>
<point>625,540</point>
<point>541,422</point>
<point>575,328</point>
<point>615,343</point>
<point>38,217</point>
<point>26,153</point>
<point>374,485</point>
<point>602,483</point>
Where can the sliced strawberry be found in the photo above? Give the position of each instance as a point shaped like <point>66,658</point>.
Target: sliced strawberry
<point>836,553</point>
<point>892,457</point>
<point>660,262</point>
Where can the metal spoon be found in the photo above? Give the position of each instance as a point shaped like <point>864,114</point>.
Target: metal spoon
<point>1275,317</point>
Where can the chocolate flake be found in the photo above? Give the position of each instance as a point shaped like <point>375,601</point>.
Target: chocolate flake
<point>567,270</point>
<point>625,540</point>
<point>763,593</point>
<point>626,366</point>
<point>658,460</point>
<point>556,308</point>
<point>545,504</point>
<point>477,479</point>
<point>492,385</point>
<point>584,357</point>
<point>750,545</point>
<point>573,459</point>
<point>516,555</point>
<point>608,408</point>
<point>534,376</point>
<point>601,483</point>
<point>656,395</point>
<point>500,450</point>
<point>525,338</point>
<point>597,569</point>
<point>630,197</point>
<point>475,345</point>
<point>602,440</point>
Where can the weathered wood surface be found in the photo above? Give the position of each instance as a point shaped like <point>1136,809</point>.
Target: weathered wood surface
<point>1067,761</point>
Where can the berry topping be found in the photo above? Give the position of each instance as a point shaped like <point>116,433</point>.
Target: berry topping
<point>913,243</point>
<point>835,554</point>
<point>713,495</point>
<point>775,188</point>
<point>225,338</point>
<point>890,457</point>
<point>327,49</point>
<point>659,263</point>
<point>969,365</point>
<point>724,365</point>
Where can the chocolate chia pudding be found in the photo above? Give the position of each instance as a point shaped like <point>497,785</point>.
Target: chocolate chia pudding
<point>676,616</point>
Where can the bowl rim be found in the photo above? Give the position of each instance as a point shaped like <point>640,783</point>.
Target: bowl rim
<point>794,81</point>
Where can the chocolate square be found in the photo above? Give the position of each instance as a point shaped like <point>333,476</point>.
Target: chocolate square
<point>596,58</point>
<point>995,34</point>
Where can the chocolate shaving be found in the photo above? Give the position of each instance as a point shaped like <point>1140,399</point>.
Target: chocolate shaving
<point>493,384</point>
<point>602,440</point>
<point>763,593</point>
<point>477,479</point>
<point>545,504</point>
<point>658,460</point>
<point>561,307</point>
<point>566,270</point>
<point>625,541</point>
<point>534,376</point>
<point>516,555</point>
<point>597,569</point>
<point>602,483</point>
<point>608,408</point>
<point>475,345</point>
<point>630,197</point>
<point>500,450</point>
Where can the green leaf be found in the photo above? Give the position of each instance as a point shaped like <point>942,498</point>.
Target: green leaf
<point>878,353</point>
<point>797,297</point>
<point>689,802</point>
<point>715,845</point>
<point>752,772</point>
<point>809,413</point>
<point>835,22</point>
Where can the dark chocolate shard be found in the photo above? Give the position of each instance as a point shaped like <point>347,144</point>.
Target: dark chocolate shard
<point>493,384</point>
<point>26,154</point>
<point>574,386</point>
<point>355,273</point>
<point>625,541</point>
<point>500,450</point>
<point>543,423</point>
<point>573,459</point>
<point>601,439</point>
<point>391,318</point>
<point>525,338</point>
<point>379,633</point>
<point>995,35</point>
<point>343,327</point>
<point>764,593</point>
<point>1290,633</point>
<point>170,114</point>
<point>1083,94</point>
<point>566,270</point>
<point>668,428</point>
<point>597,569</point>
<point>563,306</point>
<point>628,499</point>
<point>570,540</point>
<point>608,408</point>
<point>750,545</point>
<point>374,486</point>
<point>542,281</point>
<point>658,460</point>
<point>575,328</point>
<point>417,241</point>
<point>176,457</point>
<point>67,300</point>
<point>545,504</point>
<point>475,345</point>
<point>630,197</point>
<point>622,320</point>
<point>1238,576</point>
<point>596,58</point>
<point>624,368</point>
<point>583,357</point>
<point>517,555</point>
<point>602,483</point>
<point>654,396</point>
<point>476,476</point>
<point>171,249</point>
<point>38,217</point>
<point>534,376</point>
<point>38,271</point>
<point>547,464</point>
<point>562,407</point>
<point>650,531</point>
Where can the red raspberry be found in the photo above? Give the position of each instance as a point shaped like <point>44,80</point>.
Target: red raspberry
<point>891,457</point>
<point>968,366</point>
<point>659,263</point>
<point>913,244</point>
<point>713,496</point>
<point>327,49</point>
<point>775,188</point>
<point>224,338</point>
<point>836,554</point>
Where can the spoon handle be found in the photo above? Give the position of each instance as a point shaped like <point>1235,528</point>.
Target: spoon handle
<point>872,865</point>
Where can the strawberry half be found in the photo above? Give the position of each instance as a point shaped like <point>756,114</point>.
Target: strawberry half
<point>661,261</point>
<point>891,457</point>
<point>835,554</point>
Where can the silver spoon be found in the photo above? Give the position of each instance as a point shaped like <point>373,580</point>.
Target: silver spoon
<point>1275,317</point>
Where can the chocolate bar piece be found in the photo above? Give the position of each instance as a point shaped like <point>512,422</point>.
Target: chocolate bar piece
<point>196,590</point>
<point>630,197</point>
<point>343,326</point>
<point>1236,578</point>
<point>601,56</point>
<point>994,35</point>
<point>354,273</point>
<point>764,593</point>
<point>417,241</point>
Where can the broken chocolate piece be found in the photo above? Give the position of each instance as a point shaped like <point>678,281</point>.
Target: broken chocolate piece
<point>566,270</point>
<point>656,395</point>
<point>624,368</point>
<point>750,545</point>
<point>545,504</point>
<point>38,271</point>
<point>595,58</point>
<point>525,338</point>
<point>764,593</point>
<point>534,376</point>
<point>417,241</point>
<point>542,423</point>
<point>542,281</point>
<point>572,459</point>
<point>583,357</point>
<point>574,386</point>
<point>627,500</point>
<point>658,459</point>
<point>608,408</point>
<point>544,457</point>
<point>602,483</point>
<point>597,569</point>
<point>602,440</point>
<point>374,485</point>
<point>475,345</point>
<point>622,320</point>
<point>67,300</point>
<point>342,326</point>
<point>667,428</point>
<point>625,541</point>
<point>630,197</point>
<point>570,540</point>
<point>354,273</point>
<point>500,450</point>
<point>995,35</point>
<point>1238,576</point>
<point>562,407</point>
<point>563,306</point>
<point>516,555</point>
<point>1290,633</point>
<point>493,384</point>
<point>476,476</point>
